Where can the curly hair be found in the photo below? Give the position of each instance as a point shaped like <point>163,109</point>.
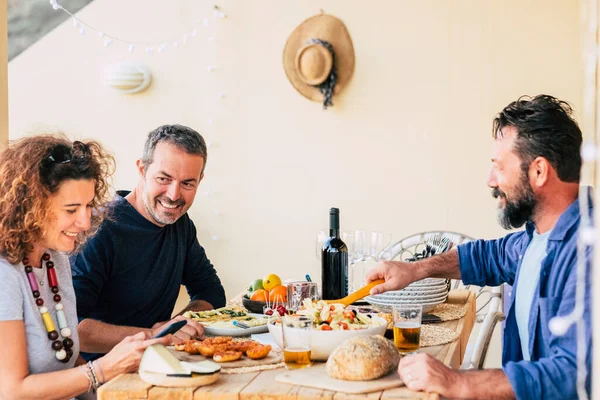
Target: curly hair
<point>31,173</point>
<point>546,128</point>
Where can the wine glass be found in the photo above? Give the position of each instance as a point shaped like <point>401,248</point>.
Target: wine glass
<point>356,253</point>
<point>379,246</point>
<point>322,236</point>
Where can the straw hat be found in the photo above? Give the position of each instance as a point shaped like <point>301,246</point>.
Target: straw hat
<point>308,62</point>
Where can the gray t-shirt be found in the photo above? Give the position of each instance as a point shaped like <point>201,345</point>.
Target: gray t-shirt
<point>17,303</point>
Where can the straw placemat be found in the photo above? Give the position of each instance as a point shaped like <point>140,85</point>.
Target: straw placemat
<point>433,335</point>
<point>449,312</point>
<point>277,353</point>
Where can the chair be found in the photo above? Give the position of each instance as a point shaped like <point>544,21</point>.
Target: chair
<point>489,311</point>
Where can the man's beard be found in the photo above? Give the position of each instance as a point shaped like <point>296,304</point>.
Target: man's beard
<point>519,210</point>
<point>162,218</point>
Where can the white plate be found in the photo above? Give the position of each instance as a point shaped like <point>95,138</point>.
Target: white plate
<point>235,331</point>
<point>413,293</point>
<point>427,283</point>
<point>413,289</point>
<point>419,297</point>
<point>386,307</point>
<point>406,300</point>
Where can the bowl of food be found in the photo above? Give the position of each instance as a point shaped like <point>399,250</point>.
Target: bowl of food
<point>332,324</point>
<point>253,305</point>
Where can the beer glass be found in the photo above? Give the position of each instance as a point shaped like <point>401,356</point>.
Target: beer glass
<point>295,331</point>
<point>407,327</point>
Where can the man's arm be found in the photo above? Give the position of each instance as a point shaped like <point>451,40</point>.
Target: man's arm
<point>481,262</point>
<point>199,275</point>
<point>423,372</point>
<point>100,337</point>
<point>399,274</point>
<point>492,384</point>
<point>197,305</point>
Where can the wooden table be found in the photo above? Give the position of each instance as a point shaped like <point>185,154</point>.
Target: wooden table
<point>262,385</point>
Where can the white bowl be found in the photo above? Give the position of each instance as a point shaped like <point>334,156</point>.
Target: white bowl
<point>322,343</point>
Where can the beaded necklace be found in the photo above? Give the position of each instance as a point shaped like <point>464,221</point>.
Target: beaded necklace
<point>63,350</point>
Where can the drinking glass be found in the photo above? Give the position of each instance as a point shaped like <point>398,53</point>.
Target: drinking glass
<point>298,291</point>
<point>356,252</point>
<point>322,236</point>
<point>407,327</point>
<point>378,246</point>
<point>295,331</point>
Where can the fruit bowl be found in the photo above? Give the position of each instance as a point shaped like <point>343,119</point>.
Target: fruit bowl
<point>252,305</point>
<point>260,307</point>
<point>324,342</point>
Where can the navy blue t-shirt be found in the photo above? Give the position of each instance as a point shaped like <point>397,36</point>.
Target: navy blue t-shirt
<point>130,272</point>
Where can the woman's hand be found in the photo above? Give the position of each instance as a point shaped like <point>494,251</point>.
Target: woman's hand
<point>126,356</point>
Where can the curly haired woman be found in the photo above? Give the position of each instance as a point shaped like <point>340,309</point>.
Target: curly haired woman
<point>52,193</point>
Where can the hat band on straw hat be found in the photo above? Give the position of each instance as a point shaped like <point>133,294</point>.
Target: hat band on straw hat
<point>328,85</point>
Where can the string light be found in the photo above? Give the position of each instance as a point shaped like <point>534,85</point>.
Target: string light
<point>589,152</point>
<point>160,46</point>
<point>150,48</point>
<point>560,325</point>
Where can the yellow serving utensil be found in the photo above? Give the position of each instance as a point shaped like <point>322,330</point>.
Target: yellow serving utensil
<point>359,294</point>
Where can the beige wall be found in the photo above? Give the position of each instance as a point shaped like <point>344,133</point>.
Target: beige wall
<point>405,149</point>
<point>3,74</point>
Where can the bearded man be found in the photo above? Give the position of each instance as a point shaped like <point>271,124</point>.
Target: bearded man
<point>535,176</point>
<point>127,277</point>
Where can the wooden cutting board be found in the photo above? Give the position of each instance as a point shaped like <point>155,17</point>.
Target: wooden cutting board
<point>274,357</point>
<point>316,377</point>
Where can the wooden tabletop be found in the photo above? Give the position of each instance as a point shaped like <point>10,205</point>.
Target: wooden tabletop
<point>262,385</point>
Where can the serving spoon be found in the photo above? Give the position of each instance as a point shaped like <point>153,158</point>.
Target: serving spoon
<point>359,294</point>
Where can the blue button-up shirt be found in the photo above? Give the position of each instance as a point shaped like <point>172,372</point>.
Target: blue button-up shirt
<point>552,371</point>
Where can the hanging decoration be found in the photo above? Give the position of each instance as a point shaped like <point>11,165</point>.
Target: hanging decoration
<point>109,40</point>
<point>132,45</point>
<point>588,235</point>
<point>318,58</point>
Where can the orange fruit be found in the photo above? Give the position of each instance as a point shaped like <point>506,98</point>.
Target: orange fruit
<point>278,294</point>
<point>260,295</point>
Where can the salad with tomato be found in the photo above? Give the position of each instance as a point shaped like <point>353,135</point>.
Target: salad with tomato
<point>334,317</point>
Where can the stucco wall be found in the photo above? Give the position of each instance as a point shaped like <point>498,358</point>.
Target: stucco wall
<point>405,149</point>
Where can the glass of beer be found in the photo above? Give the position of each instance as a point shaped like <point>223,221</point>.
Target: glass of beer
<point>407,327</point>
<point>295,330</point>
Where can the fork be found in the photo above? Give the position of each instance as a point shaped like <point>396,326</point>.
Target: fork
<point>433,244</point>
<point>444,244</point>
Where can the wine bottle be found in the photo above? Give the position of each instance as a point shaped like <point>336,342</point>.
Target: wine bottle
<point>334,261</point>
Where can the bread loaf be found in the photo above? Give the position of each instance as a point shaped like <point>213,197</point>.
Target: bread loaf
<point>363,358</point>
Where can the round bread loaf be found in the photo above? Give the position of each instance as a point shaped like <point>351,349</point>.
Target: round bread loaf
<point>363,358</point>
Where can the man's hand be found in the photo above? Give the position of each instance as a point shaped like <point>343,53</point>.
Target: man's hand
<point>397,275</point>
<point>423,372</point>
<point>193,330</point>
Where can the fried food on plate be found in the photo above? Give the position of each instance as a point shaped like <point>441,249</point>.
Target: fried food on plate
<point>258,352</point>
<point>227,356</point>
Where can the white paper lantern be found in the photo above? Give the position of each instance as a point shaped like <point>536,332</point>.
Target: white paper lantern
<point>127,77</point>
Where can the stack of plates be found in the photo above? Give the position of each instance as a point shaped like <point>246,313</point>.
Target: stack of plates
<point>427,292</point>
